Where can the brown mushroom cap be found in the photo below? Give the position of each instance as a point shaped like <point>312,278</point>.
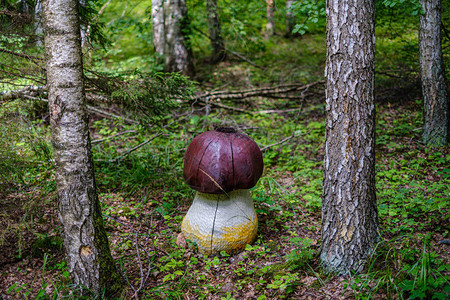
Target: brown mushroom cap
<point>222,160</point>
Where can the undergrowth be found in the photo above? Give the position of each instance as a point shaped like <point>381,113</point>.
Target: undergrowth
<point>144,198</point>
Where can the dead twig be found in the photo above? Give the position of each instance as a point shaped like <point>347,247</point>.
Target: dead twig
<point>215,103</point>
<point>278,143</point>
<point>113,136</point>
<point>141,266</point>
<point>36,93</point>
<point>279,91</point>
<point>293,133</point>
<point>243,58</point>
<point>176,119</point>
<point>136,147</point>
<point>108,114</point>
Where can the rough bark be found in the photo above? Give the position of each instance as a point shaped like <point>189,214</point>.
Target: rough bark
<point>218,49</point>
<point>290,18</point>
<point>349,212</point>
<point>86,245</point>
<point>270,26</point>
<point>38,28</point>
<point>178,57</point>
<point>434,87</point>
<point>158,26</point>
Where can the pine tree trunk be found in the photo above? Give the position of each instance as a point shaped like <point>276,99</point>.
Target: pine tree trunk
<point>86,245</point>
<point>290,18</point>
<point>178,57</point>
<point>349,212</point>
<point>158,26</point>
<point>436,108</point>
<point>215,36</point>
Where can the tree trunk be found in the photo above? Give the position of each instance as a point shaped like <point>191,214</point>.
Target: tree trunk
<point>38,28</point>
<point>218,53</point>
<point>158,26</point>
<point>434,87</point>
<point>270,26</point>
<point>86,245</point>
<point>290,18</point>
<point>178,57</point>
<point>349,212</point>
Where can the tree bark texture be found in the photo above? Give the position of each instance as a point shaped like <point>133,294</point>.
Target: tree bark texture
<point>38,28</point>
<point>158,26</point>
<point>349,212</point>
<point>290,18</point>
<point>177,54</point>
<point>270,26</point>
<point>218,49</point>
<point>86,245</point>
<point>436,109</point>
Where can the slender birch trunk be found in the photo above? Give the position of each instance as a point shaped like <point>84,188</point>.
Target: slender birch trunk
<point>349,211</point>
<point>86,245</point>
<point>178,57</point>
<point>158,26</point>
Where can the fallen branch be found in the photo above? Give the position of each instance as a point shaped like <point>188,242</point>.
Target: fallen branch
<point>21,54</point>
<point>278,143</point>
<point>145,277</point>
<point>243,58</point>
<point>107,114</point>
<point>113,136</point>
<point>30,91</point>
<point>135,147</point>
<point>175,119</point>
<point>279,91</point>
<point>36,93</point>
<point>210,102</point>
<point>276,111</point>
<point>293,133</point>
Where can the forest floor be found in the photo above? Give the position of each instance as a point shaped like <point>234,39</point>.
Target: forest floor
<point>144,227</point>
<point>144,200</point>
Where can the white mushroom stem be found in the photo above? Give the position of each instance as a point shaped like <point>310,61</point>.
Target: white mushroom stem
<point>217,222</point>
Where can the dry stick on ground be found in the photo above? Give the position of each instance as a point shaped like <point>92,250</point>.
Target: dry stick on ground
<point>275,91</point>
<point>295,128</point>
<point>211,102</point>
<point>176,119</point>
<point>113,136</point>
<point>31,90</point>
<point>243,58</point>
<point>107,114</point>
<point>141,267</point>
<point>136,147</point>
<point>278,143</point>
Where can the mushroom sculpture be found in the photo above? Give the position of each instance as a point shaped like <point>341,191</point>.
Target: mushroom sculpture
<point>221,165</point>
